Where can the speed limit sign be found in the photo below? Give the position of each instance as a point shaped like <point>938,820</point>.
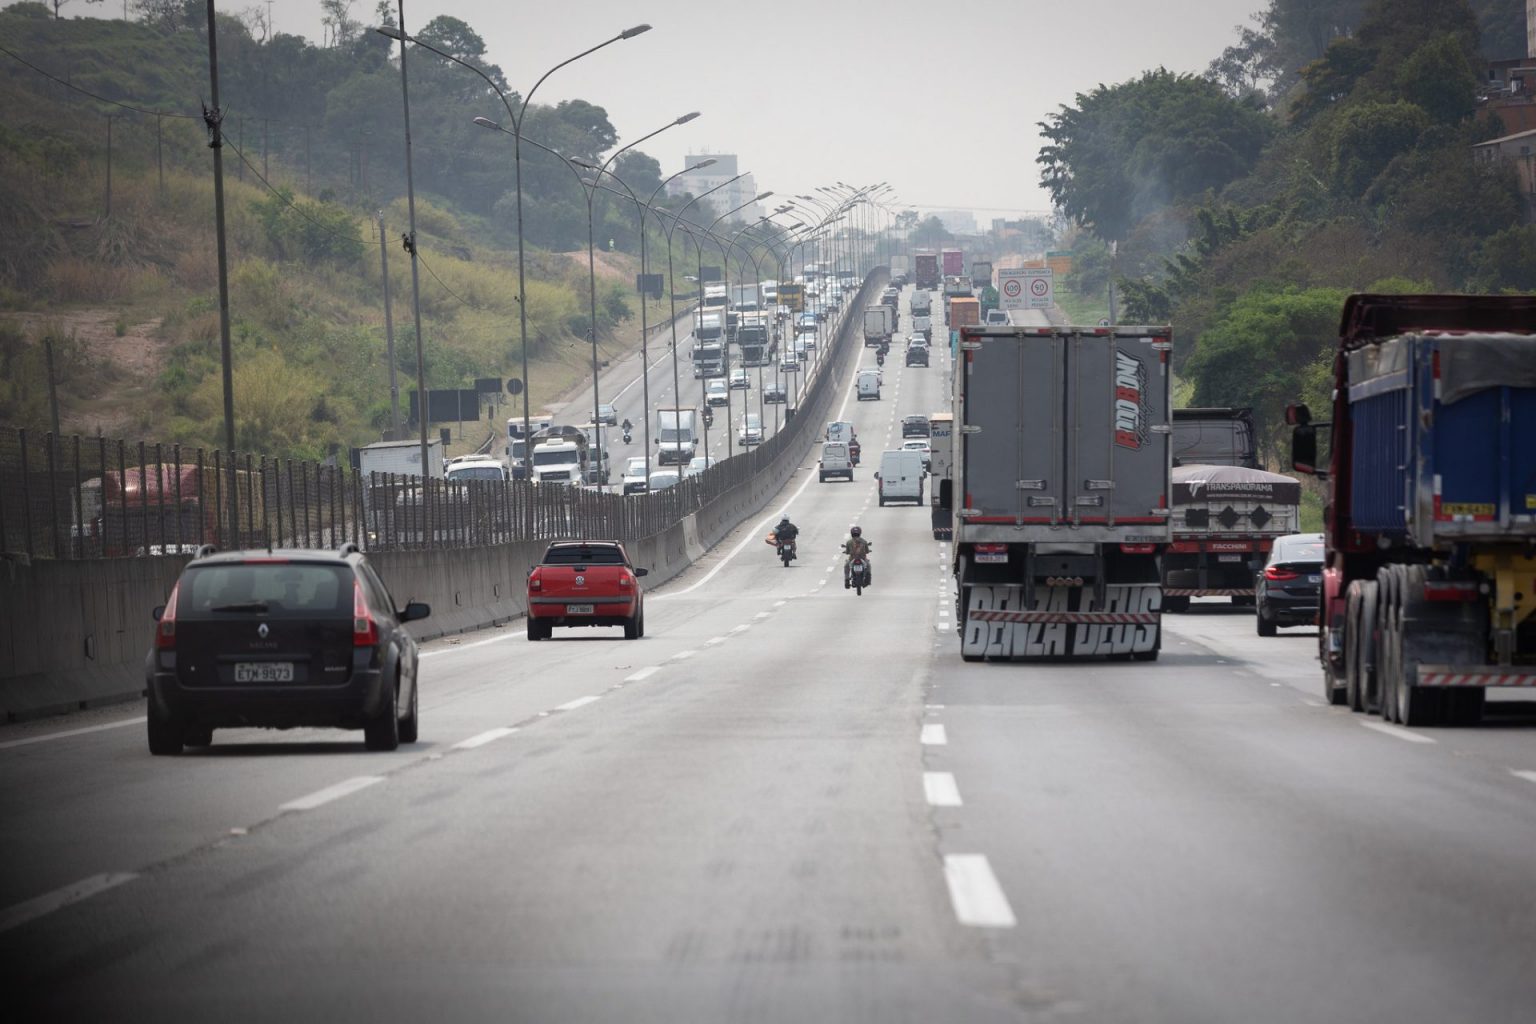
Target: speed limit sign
<point>1025,288</point>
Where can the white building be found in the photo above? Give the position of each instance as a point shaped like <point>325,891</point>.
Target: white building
<point>1530,28</point>
<point>724,168</point>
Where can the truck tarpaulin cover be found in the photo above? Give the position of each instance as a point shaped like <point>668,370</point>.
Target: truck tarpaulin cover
<point>1217,483</point>
<point>1472,364</point>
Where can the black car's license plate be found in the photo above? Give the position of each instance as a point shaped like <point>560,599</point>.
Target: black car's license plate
<point>264,672</point>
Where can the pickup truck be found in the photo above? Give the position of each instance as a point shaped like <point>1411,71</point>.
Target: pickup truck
<point>585,583</point>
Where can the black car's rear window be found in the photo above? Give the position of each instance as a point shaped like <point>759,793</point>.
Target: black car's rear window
<point>583,556</point>
<point>273,589</point>
<point>1300,551</point>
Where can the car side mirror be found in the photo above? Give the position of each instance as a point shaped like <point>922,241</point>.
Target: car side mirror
<point>415,610</point>
<point>157,612</point>
<point>642,571</point>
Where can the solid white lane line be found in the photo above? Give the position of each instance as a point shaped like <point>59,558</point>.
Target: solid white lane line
<point>644,673</point>
<point>1527,776</point>
<point>1398,732</point>
<point>978,899</point>
<point>70,732</point>
<point>39,906</point>
<point>683,655</point>
<point>509,635</point>
<point>933,735</point>
<point>489,736</point>
<point>579,702</point>
<point>940,789</point>
<point>329,793</point>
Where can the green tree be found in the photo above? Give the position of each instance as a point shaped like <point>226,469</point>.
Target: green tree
<point>1367,137</point>
<point>1506,261</point>
<point>929,233</point>
<point>1439,77</point>
<point>1127,150</point>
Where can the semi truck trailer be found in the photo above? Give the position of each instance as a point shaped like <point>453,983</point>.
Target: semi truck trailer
<point>925,269</point>
<point>1058,490</point>
<point>1428,596</point>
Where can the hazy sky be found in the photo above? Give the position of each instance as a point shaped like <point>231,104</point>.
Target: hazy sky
<point>939,99</point>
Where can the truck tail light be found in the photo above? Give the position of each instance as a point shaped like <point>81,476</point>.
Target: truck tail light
<point>165,629</point>
<point>1278,574</point>
<point>1446,590</point>
<point>365,632</point>
<point>1138,549</point>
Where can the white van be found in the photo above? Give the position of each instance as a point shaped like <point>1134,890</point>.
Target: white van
<point>901,477</point>
<point>869,385</point>
<point>836,461</point>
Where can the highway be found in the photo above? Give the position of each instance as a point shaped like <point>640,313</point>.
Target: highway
<point>620,386</point>
<point>791,803</point>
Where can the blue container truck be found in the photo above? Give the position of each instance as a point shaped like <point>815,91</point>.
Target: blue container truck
<point>1429,583</point>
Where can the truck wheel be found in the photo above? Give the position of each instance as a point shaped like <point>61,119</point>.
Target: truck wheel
<point>1416,705</point>
<point>1353,696</point>
<point>1176,605</point>
<point>1365,626</point>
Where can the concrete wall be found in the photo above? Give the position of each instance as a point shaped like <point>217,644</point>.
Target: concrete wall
<point>75,633</point>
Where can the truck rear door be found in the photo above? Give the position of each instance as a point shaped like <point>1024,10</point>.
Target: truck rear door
<point>1118,434</point>
<point>1011,438</point>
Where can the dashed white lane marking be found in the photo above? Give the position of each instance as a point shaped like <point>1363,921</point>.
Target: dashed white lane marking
<point>940,789</point>
<point>1527,776</point>
<point>644,673</point>
<point>478,643</point>
<point>738,630</point>
<point>780,603</point>
<point>1398,732</point>
<point>480,740</point>
<point>762,615</point>
<point>324,796</point>
<point>715,641</point>
<point>822,582</point>
<point>974,890</point>
<point>579,702</point>
<point>683,655</point>
<point>70,732</point>
<point>933,735</point>
<point>40,906</point>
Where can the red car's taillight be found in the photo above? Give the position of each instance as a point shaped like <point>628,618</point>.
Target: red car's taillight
<point>534,583</point>
<point>365,632</point>
<point>165,629</point>
<point>1276,574</point>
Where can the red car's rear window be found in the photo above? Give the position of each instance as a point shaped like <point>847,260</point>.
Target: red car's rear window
<point>583,555</point>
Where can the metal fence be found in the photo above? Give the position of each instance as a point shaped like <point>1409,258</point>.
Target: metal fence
<point>91,497</point>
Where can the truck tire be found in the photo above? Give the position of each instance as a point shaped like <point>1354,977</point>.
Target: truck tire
<point>1353,692</point>
<point>1365,645</point>
<point>1176,605</point>
<point>1415,706</point>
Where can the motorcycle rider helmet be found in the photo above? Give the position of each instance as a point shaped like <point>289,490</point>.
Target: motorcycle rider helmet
<point>855,531</point>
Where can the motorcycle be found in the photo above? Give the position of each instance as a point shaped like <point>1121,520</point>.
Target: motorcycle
<point>628,437</point>
<point>879,358</point>
<point>787,552</point>
<point>858,575</point>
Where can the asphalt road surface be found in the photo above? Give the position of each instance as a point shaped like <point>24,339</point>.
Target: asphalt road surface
<point>790,803</point>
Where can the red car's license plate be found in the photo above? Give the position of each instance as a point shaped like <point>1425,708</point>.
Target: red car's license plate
<point>578,609</point>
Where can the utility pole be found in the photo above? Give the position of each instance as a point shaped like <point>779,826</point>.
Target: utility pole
<point>53,385</point>
<point>395,427</point>
<point>214,117</point>
<point>422,394</point>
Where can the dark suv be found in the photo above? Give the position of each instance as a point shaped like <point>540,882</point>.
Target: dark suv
<point>1285,593</point>
<point>279,639</point>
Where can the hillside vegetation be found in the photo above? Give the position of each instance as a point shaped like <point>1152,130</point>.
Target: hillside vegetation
<point>114,260</point>
<point>1329,150</point>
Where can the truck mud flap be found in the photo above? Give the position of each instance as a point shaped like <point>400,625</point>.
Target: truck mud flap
<point>1063,623</point>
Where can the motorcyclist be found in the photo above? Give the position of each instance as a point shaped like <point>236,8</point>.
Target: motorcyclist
<point>855,546</point>
<point>786,531</point>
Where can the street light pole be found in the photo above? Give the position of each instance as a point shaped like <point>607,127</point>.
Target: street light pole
<point>214,118</point>
<point>517,161</point>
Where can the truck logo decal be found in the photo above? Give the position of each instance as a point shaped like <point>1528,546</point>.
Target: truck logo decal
<point>1131,419</point>
<point>1063,622</point>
